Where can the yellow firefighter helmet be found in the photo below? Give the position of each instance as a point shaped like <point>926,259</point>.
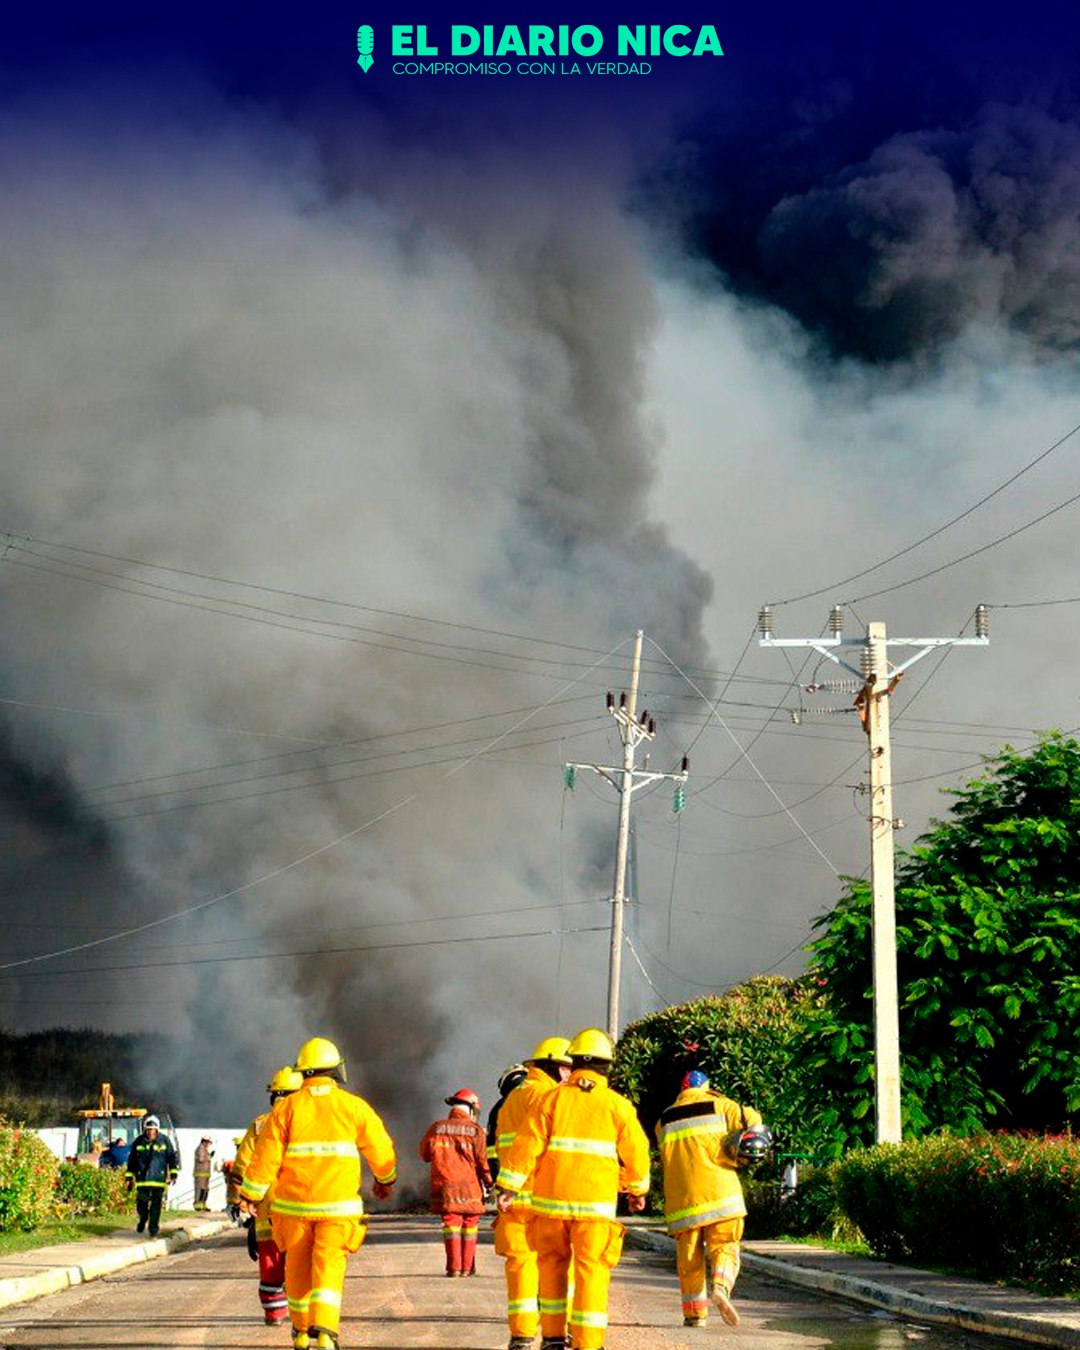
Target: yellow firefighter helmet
<point>592,1043</point>
<point>287,1079</point>
<point>318,1055</point>
<point>556,1048</point>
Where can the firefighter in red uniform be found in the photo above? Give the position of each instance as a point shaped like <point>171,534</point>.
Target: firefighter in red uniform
<point>456,1148</point>
<point>309,1151</point>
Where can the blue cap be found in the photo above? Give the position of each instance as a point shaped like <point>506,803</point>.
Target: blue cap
<point>695,1079</point>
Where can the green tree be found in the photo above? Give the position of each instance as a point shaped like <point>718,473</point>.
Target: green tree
<point>744,1039</point>
<point>988,953</point>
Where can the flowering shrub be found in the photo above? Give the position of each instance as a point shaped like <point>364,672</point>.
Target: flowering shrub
<point>28,1173</point>
<point>90,1190</point>
<point>997,1205</point>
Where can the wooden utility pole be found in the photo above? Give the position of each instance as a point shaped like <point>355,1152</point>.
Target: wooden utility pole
<point>877,680</point>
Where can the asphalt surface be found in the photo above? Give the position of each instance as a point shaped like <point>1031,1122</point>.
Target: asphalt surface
<point>120,1292</point>
<point>947,1300</point>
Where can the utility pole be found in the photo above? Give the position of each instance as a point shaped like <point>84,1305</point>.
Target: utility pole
<point>626,780</point>
<point>876,678</point>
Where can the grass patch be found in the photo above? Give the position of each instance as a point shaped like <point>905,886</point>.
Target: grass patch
<point>76,1230</point>
<point>849,1247</point>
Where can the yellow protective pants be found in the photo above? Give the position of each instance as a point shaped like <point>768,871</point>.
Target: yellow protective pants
<point>711,1249</point>
<point>594,1246</point>
<point>522,1272</point>
<point>316,1251</point>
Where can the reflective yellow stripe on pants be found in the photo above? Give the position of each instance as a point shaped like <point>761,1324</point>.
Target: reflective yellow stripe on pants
<point>522,1273</point>
<point>316,1251</point>
<point>713,1247</point>
<point>594,1246</point>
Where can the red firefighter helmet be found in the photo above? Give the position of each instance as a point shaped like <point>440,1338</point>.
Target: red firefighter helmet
<point>464,1097</point>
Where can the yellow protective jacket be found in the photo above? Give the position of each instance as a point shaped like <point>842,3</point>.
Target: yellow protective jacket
<point>582,1145</point>
<point>309,1151</point>
<point>521,1102</point>
<point>244,1152</point>
<point>701,1184</point>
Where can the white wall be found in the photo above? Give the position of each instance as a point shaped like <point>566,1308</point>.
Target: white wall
<point>62,1139</point>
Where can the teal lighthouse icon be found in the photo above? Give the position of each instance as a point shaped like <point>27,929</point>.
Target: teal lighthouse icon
<point>365,45</point>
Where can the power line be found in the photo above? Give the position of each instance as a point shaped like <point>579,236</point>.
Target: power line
<point>322,768</point>
<point>900,553</point>
<point>974,553</point>
<point>744,753</point>
<point>307,787</point>
<point>314,853</point>
<point>299,623</point>
<point>218,943</point>
<point>276,956</point>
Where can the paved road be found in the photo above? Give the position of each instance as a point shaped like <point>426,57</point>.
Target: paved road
<point>396,1298</point>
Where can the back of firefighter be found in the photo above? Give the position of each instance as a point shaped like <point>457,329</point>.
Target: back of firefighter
<point>586,1145</point>
<point>309,1151</point>
<point>547,1068</point>
<point>508,1080</point>
<point>456,1148</point>
<point>703,1198</point>
<point>269,1255</point>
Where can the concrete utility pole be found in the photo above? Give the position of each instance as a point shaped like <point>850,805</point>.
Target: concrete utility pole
<point>626,780</point>
<point>876,679</point>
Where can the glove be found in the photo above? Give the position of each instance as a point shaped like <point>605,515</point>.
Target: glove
<point>382,1189</point>
<point>129,1182</point>
<point>252,1240</point>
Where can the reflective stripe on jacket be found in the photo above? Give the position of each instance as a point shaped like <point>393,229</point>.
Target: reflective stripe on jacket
<point>245,1151</point>
<point>519,1103</point>
<point>586,1145</point>
<point>152,1162</point>
<point>456,1148</point>
<point>309,1150</point>
<point>701,1184</point>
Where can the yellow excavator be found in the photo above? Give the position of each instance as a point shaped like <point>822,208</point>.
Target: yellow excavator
<point>101,1125</point>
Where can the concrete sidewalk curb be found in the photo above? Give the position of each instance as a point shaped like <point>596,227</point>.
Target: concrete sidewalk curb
<point>66,1274</point>
<point>1048,1321</point>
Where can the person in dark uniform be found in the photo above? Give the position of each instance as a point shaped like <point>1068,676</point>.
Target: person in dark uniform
<point>151,1166</point>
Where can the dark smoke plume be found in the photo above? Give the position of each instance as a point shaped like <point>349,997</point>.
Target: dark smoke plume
<point>234,358</point>
<point>889,206</point>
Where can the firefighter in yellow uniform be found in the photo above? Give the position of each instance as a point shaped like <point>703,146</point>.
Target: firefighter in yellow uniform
<point>548,1067</point>
<point>309,1151</point>
<point>702,1144</point>
<point>582,1145</point>
<point>269,1255</point>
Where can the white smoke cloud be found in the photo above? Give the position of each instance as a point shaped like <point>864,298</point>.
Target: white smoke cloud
<point>781,476</point>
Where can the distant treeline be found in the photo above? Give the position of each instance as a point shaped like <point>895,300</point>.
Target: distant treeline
<point>46,1076</point>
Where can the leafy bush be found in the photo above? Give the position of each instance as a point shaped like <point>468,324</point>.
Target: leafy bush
<point>28,1174</point>
<point>745,1041</point>
<point>1000,1206</point>
<point>91,1190</point>
<point>811,1210</point>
